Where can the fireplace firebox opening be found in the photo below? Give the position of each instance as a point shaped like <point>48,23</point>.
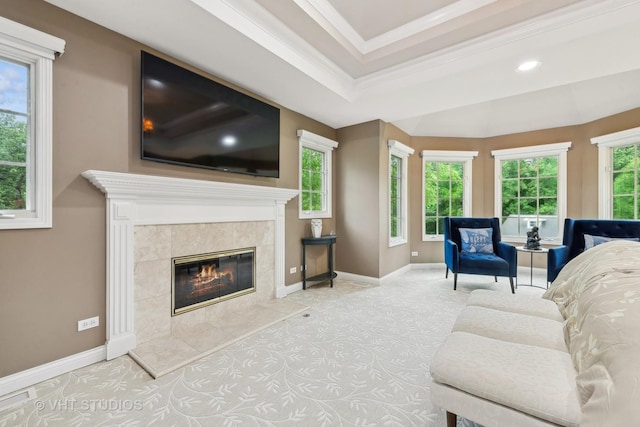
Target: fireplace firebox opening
<point>201,280</point>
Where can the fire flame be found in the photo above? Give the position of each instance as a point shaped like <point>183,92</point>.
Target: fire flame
<point>207,274</point>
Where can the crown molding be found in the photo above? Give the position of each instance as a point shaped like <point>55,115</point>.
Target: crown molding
<point>335,25</point>
<point>251,20</point>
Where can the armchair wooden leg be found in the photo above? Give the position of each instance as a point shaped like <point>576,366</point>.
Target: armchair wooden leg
<point>455,281</point>
<point>446,272</point>
<point>452,419</point>
<point>496,277</point>
<point>513,291</point>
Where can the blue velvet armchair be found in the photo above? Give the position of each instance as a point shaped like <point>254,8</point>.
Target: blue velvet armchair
<point>574,241</point>
<point>495,259</point>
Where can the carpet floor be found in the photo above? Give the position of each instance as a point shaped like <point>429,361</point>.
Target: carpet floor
<point>359,356</point>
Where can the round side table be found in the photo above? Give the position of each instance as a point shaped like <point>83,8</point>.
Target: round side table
<point>531,252</point>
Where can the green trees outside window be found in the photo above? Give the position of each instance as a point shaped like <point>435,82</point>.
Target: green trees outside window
<point>396,196</point>
<point>312,191</point>
<point>14,148</point>
<point>13,162</point>
<point>626,182</point>
<point>529,189</point>
<point>443,194</point>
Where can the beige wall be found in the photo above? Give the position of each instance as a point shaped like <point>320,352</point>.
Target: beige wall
<point>51,278</point>
<point>358,199</point>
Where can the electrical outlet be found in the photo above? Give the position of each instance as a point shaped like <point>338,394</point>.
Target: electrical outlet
<point>414,253</point>
<point>292,270</point>
<point>92,322</point>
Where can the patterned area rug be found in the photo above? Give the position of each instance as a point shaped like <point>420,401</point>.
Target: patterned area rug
<point>358,357</point>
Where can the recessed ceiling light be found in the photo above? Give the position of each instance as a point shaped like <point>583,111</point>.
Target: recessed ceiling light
<point>528,66</point>
<point>229,140</point>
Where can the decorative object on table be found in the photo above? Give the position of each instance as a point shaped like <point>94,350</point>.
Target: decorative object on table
<point>316,227</point>
<point>533,239</point>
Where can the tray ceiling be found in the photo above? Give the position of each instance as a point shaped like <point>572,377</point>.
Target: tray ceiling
<point>436,68</point>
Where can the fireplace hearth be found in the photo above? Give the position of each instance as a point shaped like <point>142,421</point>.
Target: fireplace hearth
<point>204,279</point>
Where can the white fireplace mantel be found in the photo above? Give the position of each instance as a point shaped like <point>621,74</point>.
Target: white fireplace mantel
<point>134,199</point>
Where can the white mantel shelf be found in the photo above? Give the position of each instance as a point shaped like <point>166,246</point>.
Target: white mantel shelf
<point>134,199</point>
<point>118,184</point>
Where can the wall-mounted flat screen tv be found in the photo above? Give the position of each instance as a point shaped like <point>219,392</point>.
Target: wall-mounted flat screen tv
<point>190,120</point>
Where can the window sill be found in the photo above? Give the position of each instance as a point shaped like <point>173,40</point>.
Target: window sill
<point>24,223</point>
<point>397,242</point>
<point>313,215</point>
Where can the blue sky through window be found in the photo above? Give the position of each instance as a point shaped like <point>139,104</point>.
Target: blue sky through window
<point>14,87</point>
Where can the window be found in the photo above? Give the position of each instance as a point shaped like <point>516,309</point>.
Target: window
<point>531,190</point>
<point>446,189</point>
<point>26,57</point>
<point>315,175</point>
<point>618,175</point>
<point>398,192</point>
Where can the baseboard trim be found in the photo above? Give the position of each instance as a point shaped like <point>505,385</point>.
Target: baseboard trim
<point>343,275</point>
<point>289,289</point>
<point>429,266</point>
<point>396,273</point>
<point>373,280</point>
<point>29,377</point>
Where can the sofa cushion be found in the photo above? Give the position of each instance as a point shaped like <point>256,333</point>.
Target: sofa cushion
<point>515,303</point>
<point>599,292</point>
<point>486,264</point>
<point>512,327</point>
<point>535,380</point>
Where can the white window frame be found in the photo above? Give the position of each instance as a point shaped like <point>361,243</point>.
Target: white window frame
<point>326,146</point>
<point>544,150</point>
<point>38,50</point>
<point>606,144</point>
<point>398,149</point>
<point>465,157</point>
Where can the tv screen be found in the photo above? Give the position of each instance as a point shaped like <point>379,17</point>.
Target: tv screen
<point>190,120</point>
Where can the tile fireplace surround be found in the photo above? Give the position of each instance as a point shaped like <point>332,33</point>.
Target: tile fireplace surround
<point>151,219</point>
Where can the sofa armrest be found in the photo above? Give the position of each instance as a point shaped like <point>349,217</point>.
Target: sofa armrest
<point>451,255</point>
<point>508,252</point>
<point>557,258</point>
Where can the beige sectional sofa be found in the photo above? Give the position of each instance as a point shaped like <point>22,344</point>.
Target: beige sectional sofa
<point>570,358</point>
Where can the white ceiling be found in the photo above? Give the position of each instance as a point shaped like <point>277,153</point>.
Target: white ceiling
<point>432,68</point>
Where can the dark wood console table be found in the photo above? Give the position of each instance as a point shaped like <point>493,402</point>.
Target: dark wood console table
<point>329,241</point>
